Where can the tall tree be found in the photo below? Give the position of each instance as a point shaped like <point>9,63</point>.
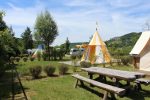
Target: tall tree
<point>27,39</point>
<point>46,29</point>
<point>3,25</point>
<point>67,45</point>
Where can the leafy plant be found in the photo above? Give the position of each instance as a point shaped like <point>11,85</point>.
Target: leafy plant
<point>25,59</point>
<point>44,56</point>
<point>63,68</point>
<point>35,71</point>
<point>12,59</point>
<point>39,56</point>
<point>85,64</point>
<point>17,59</point>
<point>32,59</point>
<point>125,60</point>
<point>73,57</point>
<point>49,70</point>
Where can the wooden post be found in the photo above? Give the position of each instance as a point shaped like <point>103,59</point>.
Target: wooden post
<point>105,97</point>
<point>76,83</point>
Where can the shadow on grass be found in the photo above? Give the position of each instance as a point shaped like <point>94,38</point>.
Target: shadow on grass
<point>6,85</point>
<point>138,95</point>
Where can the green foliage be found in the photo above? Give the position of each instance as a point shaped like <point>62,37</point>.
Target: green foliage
<point>12,59</point>
<point>25,59</point>
<point>44,56</point>
<point>2,68</point>
<point>17,59</point>
<point>85,64</point>
<point>49,70</point>
<point>3,25</point>
<point>27,39</point>
<point>73,57</point>
<point>46,30</point>
<point>39,56</point>
<point>63,68</point>
<point>121,46</point>
<point>67,45</point>
<point>32,59</point>
<point>125,60</point>
<point>35,71</point>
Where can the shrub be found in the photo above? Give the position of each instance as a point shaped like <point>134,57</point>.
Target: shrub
<point>25,59</point>
<point>35,71</point>
<point>12,59</point>
<point>63,68</point>
<point>2,68</point>
<point>125,60</point>
<point>31,59</point>
<point>85,64</point>
<point>73,57</point>
<point>17,59</point>
<point>25,55</point>
<point>49,70</point>
<point>44,56</point>
<point>39,56</point>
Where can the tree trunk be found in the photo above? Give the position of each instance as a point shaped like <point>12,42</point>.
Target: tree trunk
<point>48,48</point>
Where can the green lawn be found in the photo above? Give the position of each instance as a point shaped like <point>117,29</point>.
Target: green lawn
<point>62,87</point>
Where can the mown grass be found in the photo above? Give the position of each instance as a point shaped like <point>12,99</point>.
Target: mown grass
<point>62,87</point>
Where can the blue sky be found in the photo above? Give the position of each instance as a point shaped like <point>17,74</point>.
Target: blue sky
<point>76,19</point>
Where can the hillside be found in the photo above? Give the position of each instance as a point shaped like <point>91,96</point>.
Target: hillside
<point>122,45</point>
<point>118,46</point>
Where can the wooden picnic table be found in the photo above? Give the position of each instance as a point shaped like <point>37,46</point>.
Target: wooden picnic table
<point>113,73</point>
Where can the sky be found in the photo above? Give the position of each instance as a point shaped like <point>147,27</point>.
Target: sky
<point>76,19</point>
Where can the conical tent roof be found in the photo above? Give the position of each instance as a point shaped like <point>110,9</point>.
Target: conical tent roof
<point>96,51</point>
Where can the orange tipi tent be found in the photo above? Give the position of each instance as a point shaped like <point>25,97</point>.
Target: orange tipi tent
<point>96,51</point>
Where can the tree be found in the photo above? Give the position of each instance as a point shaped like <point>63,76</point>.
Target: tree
<point>46,29</point>
<point>67,45</point>
<point>3,25</point>
<point>27,39</point>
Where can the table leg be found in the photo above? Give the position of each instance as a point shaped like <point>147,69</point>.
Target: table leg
<point>91,77</point>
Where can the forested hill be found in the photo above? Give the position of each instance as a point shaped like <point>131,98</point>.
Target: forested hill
<point>118,46</point>
<point>122,45</point>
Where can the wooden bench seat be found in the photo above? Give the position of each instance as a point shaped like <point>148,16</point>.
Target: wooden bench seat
<point>108,88</point>
<point>141,81</point>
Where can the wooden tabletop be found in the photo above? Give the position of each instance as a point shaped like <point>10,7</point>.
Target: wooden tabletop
<point>118,74</point>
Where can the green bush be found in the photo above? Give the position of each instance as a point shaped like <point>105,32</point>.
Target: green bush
<point>17,59</point>
<point>35,71</point>
<point>85,64</point>
<point>12,59</point>
<point>125,60</point>
<point>25,59</point>
<point>73,57</point>
<point>39,56</point>
<point>2,68</point>
<point>63,68</point>
<point>44,56</point>
<point>25,55</point>
<point>32,59</point>
<point>49,70</point>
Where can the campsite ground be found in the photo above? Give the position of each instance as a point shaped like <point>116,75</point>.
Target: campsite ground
<point>60,87</point>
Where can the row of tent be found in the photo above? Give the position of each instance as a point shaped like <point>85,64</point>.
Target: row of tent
<point>97,52</point>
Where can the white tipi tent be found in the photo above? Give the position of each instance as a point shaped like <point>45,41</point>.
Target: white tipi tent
<point>141,52</point>
<point>96,51</point>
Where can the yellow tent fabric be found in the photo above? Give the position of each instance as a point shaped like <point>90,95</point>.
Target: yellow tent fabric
<point>96,51</point>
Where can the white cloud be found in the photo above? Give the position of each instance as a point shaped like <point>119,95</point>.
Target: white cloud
<point>79,22</point>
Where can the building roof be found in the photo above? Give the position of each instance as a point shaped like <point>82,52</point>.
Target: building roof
<point>141,43</point>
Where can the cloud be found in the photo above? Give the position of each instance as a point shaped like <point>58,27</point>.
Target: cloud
<point>76,18</point>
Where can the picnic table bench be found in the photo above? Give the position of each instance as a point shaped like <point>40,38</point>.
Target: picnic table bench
<point>141,81</point>
<point>108,88</point>
<point>113,73</point>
